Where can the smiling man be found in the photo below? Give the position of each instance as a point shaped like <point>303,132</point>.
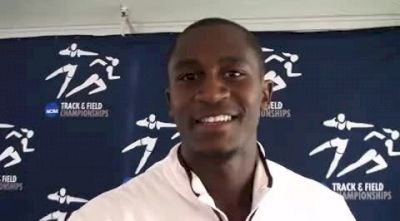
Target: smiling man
<point>218,172</point>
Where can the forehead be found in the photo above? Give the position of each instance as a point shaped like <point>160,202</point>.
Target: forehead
<point>213,42</point>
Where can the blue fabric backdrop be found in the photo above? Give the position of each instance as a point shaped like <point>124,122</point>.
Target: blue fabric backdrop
<point>78,114</point>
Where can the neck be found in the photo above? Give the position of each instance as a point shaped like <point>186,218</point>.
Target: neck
<point>228,179</point>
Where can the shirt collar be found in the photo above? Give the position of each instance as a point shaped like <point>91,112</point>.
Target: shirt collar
<point>262,181</point>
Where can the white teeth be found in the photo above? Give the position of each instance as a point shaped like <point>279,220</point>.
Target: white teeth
<point>214,119</point>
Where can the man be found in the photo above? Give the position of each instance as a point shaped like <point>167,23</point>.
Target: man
<point>218,172</point>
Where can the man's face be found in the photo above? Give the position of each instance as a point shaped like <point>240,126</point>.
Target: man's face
<point>216,90</point>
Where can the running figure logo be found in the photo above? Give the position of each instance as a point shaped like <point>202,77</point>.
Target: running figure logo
<point>288,59</point>
<point>64,200</point>
<point>69,70</point>
<point>150,142</point>
<point>373,154</point>
<point>11,152</point>
<point>73,51</point>
<point>339,144</point>
<point>387,135</point>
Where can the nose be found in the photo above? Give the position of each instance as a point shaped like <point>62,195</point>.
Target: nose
<point>212,90</point>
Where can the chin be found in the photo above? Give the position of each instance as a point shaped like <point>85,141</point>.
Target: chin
<point>217,150</point>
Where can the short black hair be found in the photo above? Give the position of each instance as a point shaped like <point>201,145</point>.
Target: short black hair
<point>250,37</point>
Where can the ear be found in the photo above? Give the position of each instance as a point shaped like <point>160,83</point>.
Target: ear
<point>168,99</point>
<point>266,94</point>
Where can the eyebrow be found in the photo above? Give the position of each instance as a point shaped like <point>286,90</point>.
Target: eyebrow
<point>186,63</point>
<point>231,59</point>
<point>193,62</point>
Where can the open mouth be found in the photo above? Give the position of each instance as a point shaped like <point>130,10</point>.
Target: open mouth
<point>216,119</point>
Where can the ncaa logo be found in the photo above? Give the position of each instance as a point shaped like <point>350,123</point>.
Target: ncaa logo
<point>52,109</point>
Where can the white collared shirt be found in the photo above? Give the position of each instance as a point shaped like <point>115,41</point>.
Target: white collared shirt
<point>165,192</point>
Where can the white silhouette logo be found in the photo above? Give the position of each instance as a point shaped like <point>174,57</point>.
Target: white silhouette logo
<point>109,68</point>
<point>150,142</point>
<point>64,200</point>
<point>73,51</point>
<point>371,155</point>
<point>70,69</point>
<point>23,135</point>
<point>340,144</point>
<point>288,59</point>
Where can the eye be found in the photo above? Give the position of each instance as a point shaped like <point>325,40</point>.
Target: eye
<point>188,77</point>
<point>234,74</point>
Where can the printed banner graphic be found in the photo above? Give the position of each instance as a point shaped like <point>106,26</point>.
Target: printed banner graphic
<point>81,115</point>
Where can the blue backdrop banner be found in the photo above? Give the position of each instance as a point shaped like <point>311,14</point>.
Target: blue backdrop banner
<point>80,115</point>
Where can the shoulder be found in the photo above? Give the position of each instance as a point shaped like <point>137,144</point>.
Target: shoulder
<point>287,179</point>
<point>304,196</point>
<point>117,204</point>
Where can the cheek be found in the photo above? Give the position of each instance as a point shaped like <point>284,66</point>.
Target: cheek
<point>179,101</point>
<point>251,96</point>
<point>254,101</point>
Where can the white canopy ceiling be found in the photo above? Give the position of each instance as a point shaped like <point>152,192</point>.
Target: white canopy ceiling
<point>22,18</point>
